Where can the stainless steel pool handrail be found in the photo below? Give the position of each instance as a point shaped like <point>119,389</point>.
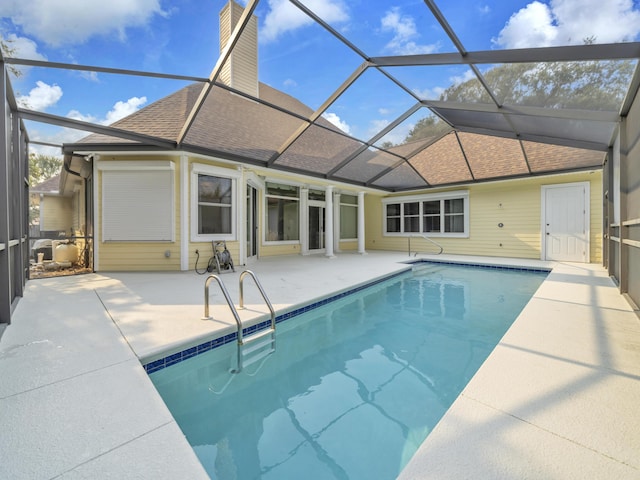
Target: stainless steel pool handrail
<point>231,306</point>
<point>427,239</point>
<point>240,336</point>
<point>258,347</point>
<point>262,292</point>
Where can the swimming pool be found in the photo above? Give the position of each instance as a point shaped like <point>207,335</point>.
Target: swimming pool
<point>355,386</point>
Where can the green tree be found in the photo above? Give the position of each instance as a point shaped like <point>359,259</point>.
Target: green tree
<point>9,51</point>
<point>43,167</point>
<point>427,127</point>
<point>588,85</point>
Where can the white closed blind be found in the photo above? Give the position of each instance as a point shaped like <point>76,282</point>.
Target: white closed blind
<point>137,205</point>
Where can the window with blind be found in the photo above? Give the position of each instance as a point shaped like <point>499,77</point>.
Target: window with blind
<point>138,203</point>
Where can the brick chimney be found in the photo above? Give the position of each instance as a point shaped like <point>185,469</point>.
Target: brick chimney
<point>241,69</point>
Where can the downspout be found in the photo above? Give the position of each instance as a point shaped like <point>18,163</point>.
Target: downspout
<point>65,165</point>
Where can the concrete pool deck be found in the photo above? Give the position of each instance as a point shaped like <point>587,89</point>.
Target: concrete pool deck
<point>557,398</point>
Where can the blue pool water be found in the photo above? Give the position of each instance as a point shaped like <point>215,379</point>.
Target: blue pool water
<point>355,386</point>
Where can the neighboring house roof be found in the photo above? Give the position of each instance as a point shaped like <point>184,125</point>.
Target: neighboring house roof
<point>266,132</point>
<point>50,186</point>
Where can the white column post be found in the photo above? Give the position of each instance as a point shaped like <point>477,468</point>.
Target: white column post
<point>304,221</point>
<point>185,235</point>
<point>361,249</point>
<point>336,222</point>
<point>241,216</point>
<point>328,223</point>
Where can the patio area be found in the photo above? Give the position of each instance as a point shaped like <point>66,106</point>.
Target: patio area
<point>557,398</point>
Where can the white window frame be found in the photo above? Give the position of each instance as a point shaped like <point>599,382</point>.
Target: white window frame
<point>128,215</point>
<point>458,194</point>
<point>265,209</point>
<point>210,170</point>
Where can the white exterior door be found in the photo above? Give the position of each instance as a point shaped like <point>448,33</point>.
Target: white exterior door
<point>252,223</point>
<point>565,222</point>
<point>315,227</point>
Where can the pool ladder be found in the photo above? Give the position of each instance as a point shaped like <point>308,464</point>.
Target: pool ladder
<point>252,347</point>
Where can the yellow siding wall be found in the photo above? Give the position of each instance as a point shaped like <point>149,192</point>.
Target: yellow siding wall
<point>516,204</point>
<point>139,256</point>
<point>206,252</point>
<point>274,250</point>
<point>348,246</point>
<point>56,213</point>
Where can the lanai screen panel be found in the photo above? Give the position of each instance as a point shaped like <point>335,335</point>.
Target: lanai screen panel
<point>588,85</point>
<point>408,150</point>
<point>402,177</point>
<point>493,157</point>
<point>231,123</point>
<point>547,158</point>
<point>364,67</point>
<point>319,64</point>
<point>455,83</point>
<point>370,103</point>
<point>367,165</point>
<point>442,162</point>
<point>419,126</point>
<point>384,28</point>
<point>318,150</point>
<point>562,130</point>
<point>473,119</point>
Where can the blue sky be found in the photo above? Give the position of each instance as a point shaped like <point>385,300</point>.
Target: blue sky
<point>295,55</point>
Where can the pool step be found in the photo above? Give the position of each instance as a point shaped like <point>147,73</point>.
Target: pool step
<point>257,346</point>
<point>246,344</point>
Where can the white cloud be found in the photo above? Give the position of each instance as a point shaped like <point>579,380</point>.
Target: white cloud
<point>91,76</point>
<point>56,136</point>
<point>23,47</point>
<point>41,97</point>
<point>61,22</point>
<point>123,109</point>
<point>119,110</point>
<point>283,16</point>
<point>335,119</point>
<point>566,22</point>
<point>397,135</point>
<point>404,32</point>
<point>375,126</point>
<point>460,79</point>
<point>290,83</point>
<point>76,115</point>
<point>69,135</point>
<point>430,93</point>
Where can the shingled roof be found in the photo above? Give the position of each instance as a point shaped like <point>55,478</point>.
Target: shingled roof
<point>51,186</point>
<point>240,128</point>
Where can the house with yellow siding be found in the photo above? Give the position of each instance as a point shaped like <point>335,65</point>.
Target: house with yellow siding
<point>261,172</point>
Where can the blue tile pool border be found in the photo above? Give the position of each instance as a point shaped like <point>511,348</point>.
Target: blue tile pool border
<point>204,347</point>
<point>518,268</point>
